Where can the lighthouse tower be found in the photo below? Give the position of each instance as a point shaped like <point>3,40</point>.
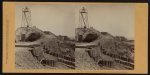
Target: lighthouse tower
<point>26,17</point>
<point>22,32</point>
<point>83,18</point>
<point>83,24</point>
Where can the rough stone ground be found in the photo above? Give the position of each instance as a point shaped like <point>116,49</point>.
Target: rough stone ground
<point>85,62</point>
<point>25,60</point>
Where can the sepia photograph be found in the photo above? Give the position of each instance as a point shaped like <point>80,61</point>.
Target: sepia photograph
<point>83,36</point>
<point>49,37</point>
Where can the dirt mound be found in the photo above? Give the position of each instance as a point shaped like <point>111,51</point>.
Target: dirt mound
<point>30,34</point>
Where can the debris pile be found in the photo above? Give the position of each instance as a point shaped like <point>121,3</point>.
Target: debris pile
<point>50,46</point>
<point>117,49</point>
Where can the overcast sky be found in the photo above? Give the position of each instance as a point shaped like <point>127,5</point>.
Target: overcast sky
<point>62,19</point>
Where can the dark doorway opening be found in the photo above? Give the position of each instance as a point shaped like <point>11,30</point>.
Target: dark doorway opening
<point>90,38</point>
<point>33,37</point>
<point>23,37</point>
<point>80,38</point>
